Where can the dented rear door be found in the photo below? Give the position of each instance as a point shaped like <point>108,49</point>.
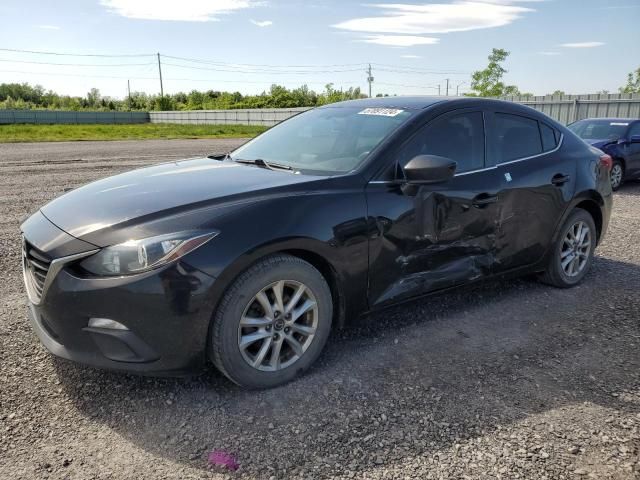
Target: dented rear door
<point>443,236</point>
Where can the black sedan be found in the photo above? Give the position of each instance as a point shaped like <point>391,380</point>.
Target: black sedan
<point>619,138</point>
<point>249,259</point>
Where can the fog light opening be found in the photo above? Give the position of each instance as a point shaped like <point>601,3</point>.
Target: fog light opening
<point>106,323</point>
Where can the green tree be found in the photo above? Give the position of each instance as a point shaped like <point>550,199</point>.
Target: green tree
<point>633,82</point>
<point>557,93</point>
<point>488,82</point>
<point>93,97</point>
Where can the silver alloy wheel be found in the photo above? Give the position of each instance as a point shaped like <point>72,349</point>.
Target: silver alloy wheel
<point>576,248</point>
<point>616,175</point>
<point>278,325</point>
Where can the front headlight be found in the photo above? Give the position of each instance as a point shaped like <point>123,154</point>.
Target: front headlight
<point>135,256</point>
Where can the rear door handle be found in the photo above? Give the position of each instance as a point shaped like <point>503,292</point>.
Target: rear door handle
<point>483,200</point>
<point>559,179</point>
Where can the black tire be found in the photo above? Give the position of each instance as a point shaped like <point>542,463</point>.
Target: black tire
<point>616,166</point>
<point>555,273</point>
<point>225,350</point>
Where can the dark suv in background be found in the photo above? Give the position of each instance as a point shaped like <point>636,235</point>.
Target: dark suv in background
<point>618,137</point>
<point>249,259</point>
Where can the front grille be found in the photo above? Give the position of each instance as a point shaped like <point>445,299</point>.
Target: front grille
<point>36,266</point>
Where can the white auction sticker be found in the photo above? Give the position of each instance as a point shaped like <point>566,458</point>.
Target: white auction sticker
<point>384,112</point>
<point>620,124</point>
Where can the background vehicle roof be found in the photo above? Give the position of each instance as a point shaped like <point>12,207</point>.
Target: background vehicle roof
<point>610,119</point>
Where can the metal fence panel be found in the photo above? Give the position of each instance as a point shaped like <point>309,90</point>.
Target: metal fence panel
<point>255,116</point>
<point>570,108</point>
<point>66,117</point>
<point>563,108</point>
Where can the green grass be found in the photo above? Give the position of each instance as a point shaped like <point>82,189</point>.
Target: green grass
<point>67,133</point>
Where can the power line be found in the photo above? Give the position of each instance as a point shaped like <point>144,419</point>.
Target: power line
<point>419,69</point>
<point>76,54</point>
<point>212,62</point>
<point>435,87</point>
<point>165,78</point>
<point>275,72</point>
<point>77,64</point>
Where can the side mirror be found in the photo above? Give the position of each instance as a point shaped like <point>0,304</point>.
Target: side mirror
<point>425,169</point>
<point>634,139</point>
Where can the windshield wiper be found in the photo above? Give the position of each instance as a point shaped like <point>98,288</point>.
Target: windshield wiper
<point>264,164</point>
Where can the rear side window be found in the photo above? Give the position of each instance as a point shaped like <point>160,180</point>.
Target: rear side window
<point>549,137</point>
<point>458,137</point>
<point>517,137</point>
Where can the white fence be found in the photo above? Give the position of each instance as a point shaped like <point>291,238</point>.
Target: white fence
<point>256,116</point>
<point>563,108</point>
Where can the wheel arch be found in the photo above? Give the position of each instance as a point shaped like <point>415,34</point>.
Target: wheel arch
<point>593,203</point>
<point>315,252</point>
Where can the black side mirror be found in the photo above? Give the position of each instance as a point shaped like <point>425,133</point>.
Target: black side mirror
<point>425,169</point>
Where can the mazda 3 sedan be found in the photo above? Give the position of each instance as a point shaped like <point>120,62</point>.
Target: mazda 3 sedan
<point>248,260</point>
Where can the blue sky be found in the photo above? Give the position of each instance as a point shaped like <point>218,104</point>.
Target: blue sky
<point>579,46</point>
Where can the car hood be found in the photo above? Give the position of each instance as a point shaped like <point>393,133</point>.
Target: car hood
<point>151,192</point>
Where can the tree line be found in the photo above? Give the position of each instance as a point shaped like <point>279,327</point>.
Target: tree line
<point>488,82</point>
<point>25,96</point>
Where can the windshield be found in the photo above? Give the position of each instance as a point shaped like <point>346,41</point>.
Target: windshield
<point>599,129</point>
<point>325,141</point>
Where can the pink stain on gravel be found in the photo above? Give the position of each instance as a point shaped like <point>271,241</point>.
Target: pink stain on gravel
<point>224,459</point>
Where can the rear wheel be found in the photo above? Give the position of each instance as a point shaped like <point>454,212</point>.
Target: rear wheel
<point>272,323</point>
<point>572,253</point>
<point>616,175</point>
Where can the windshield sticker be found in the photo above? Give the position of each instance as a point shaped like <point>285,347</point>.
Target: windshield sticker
<point>384,112</point>
<point>619,124</point>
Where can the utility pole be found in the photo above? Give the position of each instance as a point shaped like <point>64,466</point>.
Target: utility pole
<point>129,93</point>
<point>160,72</point>
<point>447,86</point>
<point>438,89</point>
<point>458,88</point>
<point>369,79</point>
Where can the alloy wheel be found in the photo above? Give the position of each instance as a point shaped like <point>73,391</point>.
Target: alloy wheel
<point>576,248</point>
<point>616,175</point>
<point>278,325</point>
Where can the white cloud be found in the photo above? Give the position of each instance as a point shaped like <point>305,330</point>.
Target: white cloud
<point>582,44</point>
<point>48,27</point>
<point>183,10</point>
<point>457,16</point>
<point>410,56</point>
<point>264,23</point>
<point>549,53</point>
<point>400,40</point>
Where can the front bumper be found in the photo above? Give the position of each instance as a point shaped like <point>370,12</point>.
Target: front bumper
<point>166,311</point>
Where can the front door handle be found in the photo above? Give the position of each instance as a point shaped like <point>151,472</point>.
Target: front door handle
<point>559,179</point>
<point>483,200</point>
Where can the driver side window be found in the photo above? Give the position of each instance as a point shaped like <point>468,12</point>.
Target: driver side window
<point>458,137</point>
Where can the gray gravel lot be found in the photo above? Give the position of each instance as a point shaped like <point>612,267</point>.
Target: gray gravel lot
<point>509,379</point>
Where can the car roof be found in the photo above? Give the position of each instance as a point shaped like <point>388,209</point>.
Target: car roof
<point>422,102</point>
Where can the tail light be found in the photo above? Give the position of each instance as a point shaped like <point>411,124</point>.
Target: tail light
<point>606,161</point>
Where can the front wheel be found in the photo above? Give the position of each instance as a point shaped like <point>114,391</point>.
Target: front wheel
<point>616,175</point>
<point>272,323</point>
<point>572,253</point>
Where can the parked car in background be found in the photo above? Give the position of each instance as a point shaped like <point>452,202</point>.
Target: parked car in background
<point>618,137</point>
<point>248,260</point>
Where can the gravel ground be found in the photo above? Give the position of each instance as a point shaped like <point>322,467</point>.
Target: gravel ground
<point>503,380</point>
